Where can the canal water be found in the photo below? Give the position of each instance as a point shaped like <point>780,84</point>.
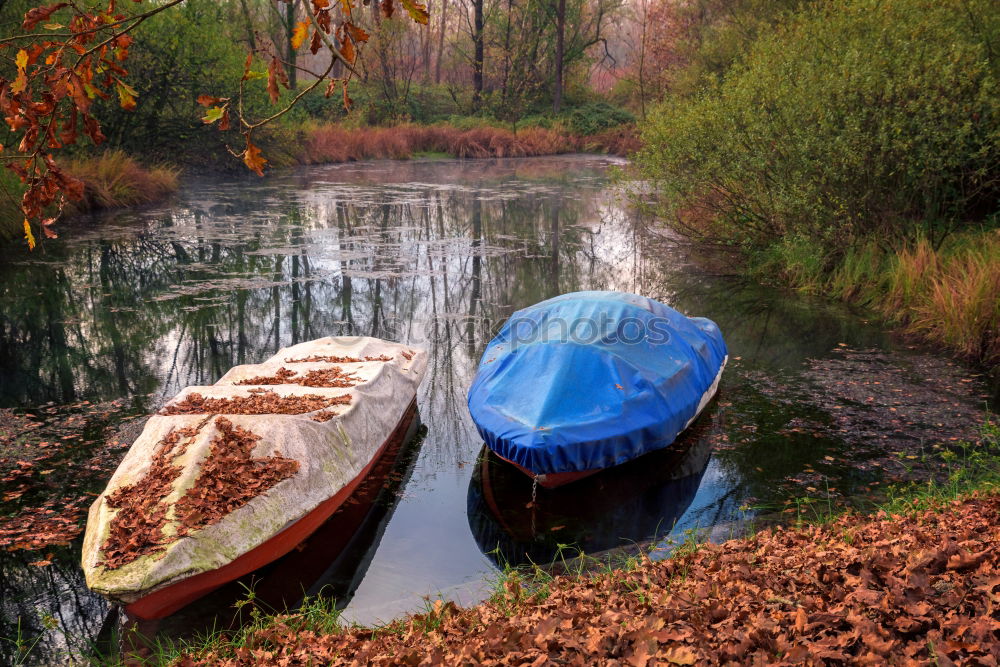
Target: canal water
<point>105,323</point>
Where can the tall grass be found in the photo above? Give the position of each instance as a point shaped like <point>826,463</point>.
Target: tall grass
<point>949,295</point>
<point>114,180</point>
<point>110,180</point>
<point>337,143</point>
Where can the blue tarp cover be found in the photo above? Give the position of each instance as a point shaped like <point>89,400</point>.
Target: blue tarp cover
<point>589,380</point>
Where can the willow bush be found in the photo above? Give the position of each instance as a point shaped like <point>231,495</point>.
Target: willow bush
<point>852,120</point>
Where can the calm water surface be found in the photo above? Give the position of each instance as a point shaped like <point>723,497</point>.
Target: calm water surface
<point>137,305</point>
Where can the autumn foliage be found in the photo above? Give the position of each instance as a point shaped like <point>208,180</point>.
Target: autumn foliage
<point>917,589</point>
<point>61,68</point>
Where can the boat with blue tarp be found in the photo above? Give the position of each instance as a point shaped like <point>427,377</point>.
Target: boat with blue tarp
<point>589,380</point>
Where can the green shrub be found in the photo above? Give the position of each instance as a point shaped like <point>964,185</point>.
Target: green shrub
<point>854,119</point>
<point>317,106</point>
<point>596,117</point>
<point>179,55</point>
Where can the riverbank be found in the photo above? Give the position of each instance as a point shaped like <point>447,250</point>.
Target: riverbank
<point>880,188</point>
<point>856,590</point>
<point>917,578</point>
<point>110,180</point>
<point>947,294</point>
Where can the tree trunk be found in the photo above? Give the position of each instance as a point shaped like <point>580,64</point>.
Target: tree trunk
<point>248,20</point>
<point>440,53</point>
<point>477,62</point>
<point>505,95</point>
<point>560,36</point>
<point>289,30</point>
<point>642,60</point>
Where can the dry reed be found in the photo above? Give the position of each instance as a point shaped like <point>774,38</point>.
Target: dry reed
<point>334,143</point>
<point>114,180</point>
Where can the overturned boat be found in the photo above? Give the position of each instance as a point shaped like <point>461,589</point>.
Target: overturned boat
<point>229,477</point>
<point>589,380</point>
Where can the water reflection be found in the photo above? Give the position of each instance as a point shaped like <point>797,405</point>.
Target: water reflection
<point>137,305</point>
<point>515,523</point>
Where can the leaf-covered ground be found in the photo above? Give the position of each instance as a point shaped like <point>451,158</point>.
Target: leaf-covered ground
<point>916,589</point>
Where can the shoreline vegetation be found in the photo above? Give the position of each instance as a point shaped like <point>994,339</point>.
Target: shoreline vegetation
<point>335,143</point>
<point>114,179</point>
<point>865,170</point>
<point>915,576</point>
<point>110,180</point>
<point>946,294</point>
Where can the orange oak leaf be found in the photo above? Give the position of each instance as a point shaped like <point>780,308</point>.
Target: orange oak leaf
<point>299,34</point>
<point>253,159</point>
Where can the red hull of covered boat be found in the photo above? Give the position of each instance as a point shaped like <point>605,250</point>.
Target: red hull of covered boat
<point>165,601</point>
<point>553,479</point>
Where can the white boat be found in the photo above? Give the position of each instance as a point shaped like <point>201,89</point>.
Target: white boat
<point>229,477</point>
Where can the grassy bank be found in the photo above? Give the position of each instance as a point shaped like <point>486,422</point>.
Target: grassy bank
<point>111,180</point>
<point>335,143</point>
<point>908,578</point>
<point>946,293</point>
<point>115,180</point>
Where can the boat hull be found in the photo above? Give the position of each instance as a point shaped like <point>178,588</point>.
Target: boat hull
<point>226,478</point>
<point>165,601</point>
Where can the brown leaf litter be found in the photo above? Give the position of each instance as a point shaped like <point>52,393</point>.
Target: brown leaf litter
<point>323,377</point>
<point>228,479</point>
<point>922,588</point>
<point>259,403</point>
<point>333,359</point>
<point>137,528</point>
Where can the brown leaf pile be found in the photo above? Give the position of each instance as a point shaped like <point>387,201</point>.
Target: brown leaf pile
<point>260,403</point>
<point>229,478</point>
<point>137,528</point>
<point>918,589</point>
<point>336,359</point>
<point>324,377</point>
